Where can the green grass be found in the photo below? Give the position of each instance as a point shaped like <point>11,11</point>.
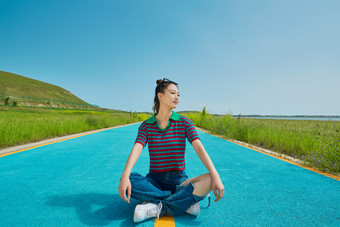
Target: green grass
<point>29,92</point>
<point>316,143</point>
<point>24,125</point>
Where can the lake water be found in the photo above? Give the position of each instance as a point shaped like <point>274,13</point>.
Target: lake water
<point>300,118</point>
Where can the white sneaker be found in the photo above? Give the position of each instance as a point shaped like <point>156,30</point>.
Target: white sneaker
<point>194,209</point>
<point>147,210</point>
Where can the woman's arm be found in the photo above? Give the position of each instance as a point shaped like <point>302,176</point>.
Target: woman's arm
<point>125,184</point>
<point>216,184</point>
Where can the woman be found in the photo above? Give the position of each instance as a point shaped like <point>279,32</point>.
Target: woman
<point>166,189</point>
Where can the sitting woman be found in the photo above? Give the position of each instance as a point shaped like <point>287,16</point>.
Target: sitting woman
<point>166,189</point>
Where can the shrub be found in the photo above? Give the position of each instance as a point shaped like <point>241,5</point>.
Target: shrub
<point>91,121</point>
<point>7,101</point>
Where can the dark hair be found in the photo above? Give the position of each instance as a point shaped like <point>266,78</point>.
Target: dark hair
<point>161,85</point>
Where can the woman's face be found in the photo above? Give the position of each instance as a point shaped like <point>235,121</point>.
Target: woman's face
<point>170,97</point>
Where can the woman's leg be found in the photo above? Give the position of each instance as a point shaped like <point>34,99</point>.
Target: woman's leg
<point>202,184</point>
<point>193,191</point>
<point>189,193</point>
<point>181,200</point>
<point>145,189</point>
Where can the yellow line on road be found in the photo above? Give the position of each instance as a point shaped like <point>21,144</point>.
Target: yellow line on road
<point>274,156</point>
<point>83,134</point>
<point>2,155</point>
<point>165,221</point>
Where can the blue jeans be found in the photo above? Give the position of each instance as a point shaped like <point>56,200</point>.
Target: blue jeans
<point>164,187</point>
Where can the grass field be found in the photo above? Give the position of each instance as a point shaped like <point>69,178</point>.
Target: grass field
<point>17,90</point>
<point>316,143</point>
<point>23,125</point>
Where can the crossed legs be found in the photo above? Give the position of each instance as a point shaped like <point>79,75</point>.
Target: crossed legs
<point>202,184</point>
<point>174,204</point>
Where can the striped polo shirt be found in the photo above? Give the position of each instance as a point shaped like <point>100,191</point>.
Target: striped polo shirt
<point>167,146</point>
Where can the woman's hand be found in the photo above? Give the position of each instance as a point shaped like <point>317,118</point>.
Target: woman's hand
<point>217,186</point>
<point>125,185</point>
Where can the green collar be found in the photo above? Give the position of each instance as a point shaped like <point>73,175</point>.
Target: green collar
<point>174,116</point>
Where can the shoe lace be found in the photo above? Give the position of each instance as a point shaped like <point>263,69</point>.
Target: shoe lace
<point>155,212</point>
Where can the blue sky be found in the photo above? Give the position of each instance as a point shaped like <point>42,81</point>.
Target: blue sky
<point>250,57</point>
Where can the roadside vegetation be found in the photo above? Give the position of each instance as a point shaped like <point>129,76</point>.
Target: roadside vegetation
<point>20,125</point>
<point>316,143</point>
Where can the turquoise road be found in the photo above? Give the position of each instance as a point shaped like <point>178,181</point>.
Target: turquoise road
<point>74,183</point>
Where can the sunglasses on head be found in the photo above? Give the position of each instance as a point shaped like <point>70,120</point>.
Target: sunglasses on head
<point>165,80</point>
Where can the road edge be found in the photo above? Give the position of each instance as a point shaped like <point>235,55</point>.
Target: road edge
<point>274,154</point>
<point>28,146</point>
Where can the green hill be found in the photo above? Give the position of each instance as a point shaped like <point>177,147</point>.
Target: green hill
<point>29,92</point>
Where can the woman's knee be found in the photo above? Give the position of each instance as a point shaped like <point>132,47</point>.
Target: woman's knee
<point>206,179</point>
<point>203,186</point>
